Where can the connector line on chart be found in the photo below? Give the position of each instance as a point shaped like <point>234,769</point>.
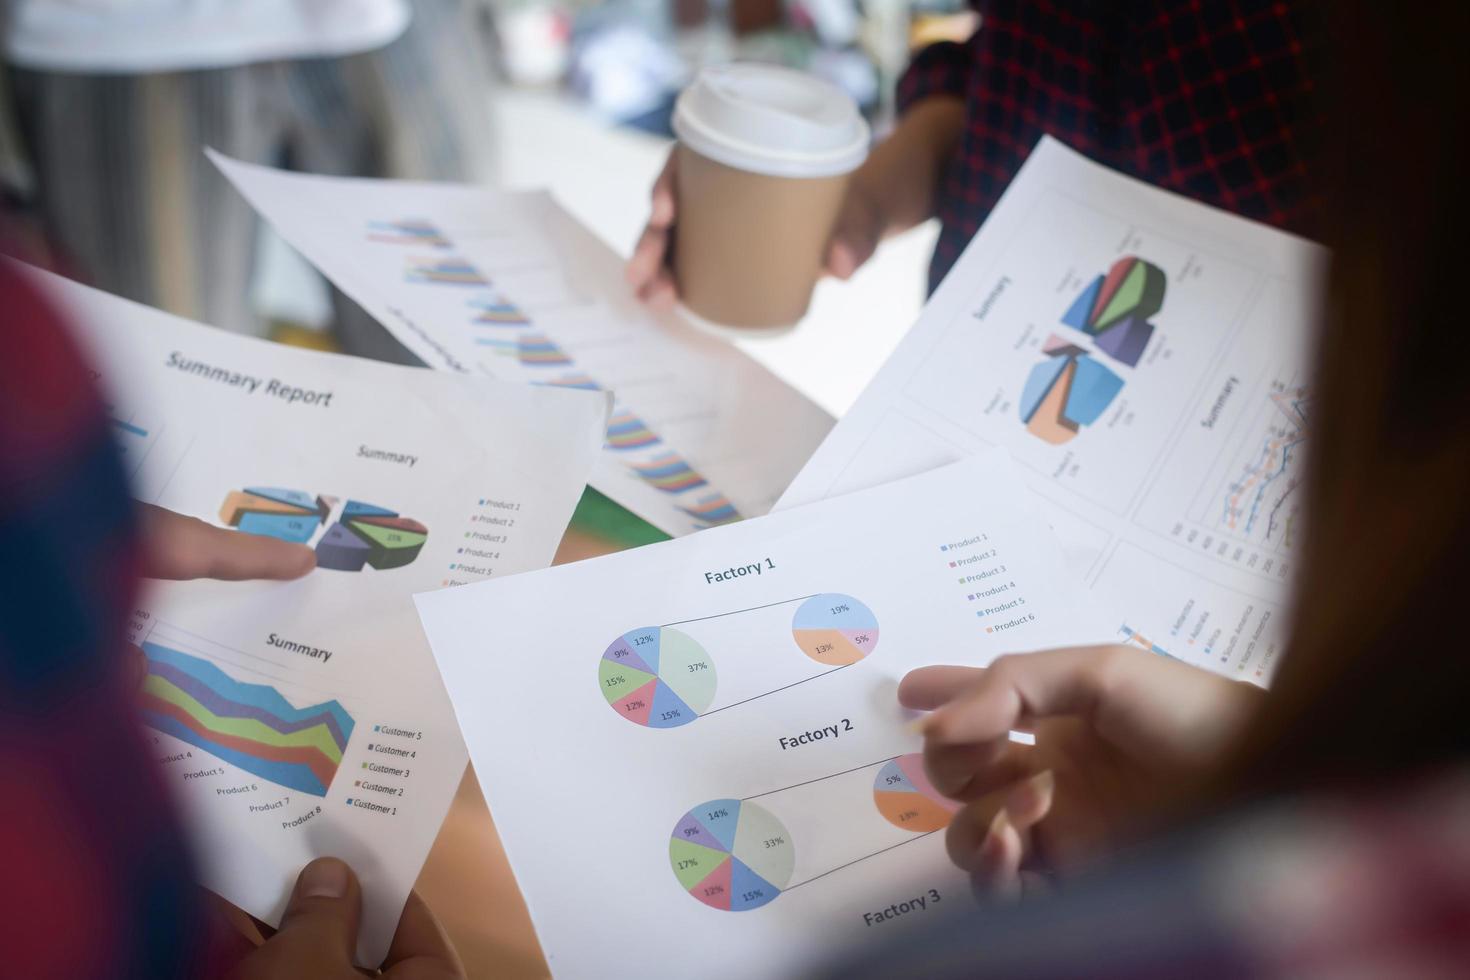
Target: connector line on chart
<point>778,690</point>
<point>736,612</point>
<point>865,857</point>
<point>818,779</point>
<point>834,775</point>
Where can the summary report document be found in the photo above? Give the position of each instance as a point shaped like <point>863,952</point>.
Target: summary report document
<point>510,285</point>
<point>707,729</point>
<point>299,719</point>
<point>1142,358</point>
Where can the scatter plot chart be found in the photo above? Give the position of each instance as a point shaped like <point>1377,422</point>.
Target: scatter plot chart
<point>731,855</point>
<point>657,677</point>
<point>907,799</point>
<point>835,629</point>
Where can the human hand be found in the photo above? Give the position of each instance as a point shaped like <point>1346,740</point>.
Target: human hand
<point>179,547</point>
<point>1115,728</point>
<point>318,935</point>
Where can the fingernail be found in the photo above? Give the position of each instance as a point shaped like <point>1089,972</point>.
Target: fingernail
<point>919,726</point>
<point>324,878</point>
<point>998,825</point>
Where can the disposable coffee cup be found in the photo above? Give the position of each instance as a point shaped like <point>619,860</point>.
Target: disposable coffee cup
<point>764,157</point>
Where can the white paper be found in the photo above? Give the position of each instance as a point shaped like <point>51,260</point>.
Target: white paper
<point>954,566</point>
<point>510,285</point>
<point>1180,502</point>
<point>493,471</point>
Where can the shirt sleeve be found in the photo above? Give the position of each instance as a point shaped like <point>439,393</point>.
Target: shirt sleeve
<point>940,69</point>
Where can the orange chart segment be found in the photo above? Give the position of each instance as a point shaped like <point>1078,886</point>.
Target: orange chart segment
<point>906,798</point>
<point>835,629</point>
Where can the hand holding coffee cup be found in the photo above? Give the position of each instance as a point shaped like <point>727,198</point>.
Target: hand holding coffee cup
<point>758,181</point>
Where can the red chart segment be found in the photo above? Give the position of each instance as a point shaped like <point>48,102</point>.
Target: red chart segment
<point>906,798</point>
<point>731,855</point>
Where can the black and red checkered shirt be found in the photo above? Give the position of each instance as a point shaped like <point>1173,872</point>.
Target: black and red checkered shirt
<point>1203,97</point>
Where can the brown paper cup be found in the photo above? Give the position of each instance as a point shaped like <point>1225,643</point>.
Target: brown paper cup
<point>749,248</point>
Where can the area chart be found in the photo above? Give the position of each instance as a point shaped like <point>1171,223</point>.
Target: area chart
<point>731,855</point>
<point>251,726</point>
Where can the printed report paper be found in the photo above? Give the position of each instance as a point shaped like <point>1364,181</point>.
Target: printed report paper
<point>1144,360</point>
<point>299,719</point>
<point>510,285</point>
<point>702,737</point>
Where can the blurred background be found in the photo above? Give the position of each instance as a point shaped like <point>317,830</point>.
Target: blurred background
<point>571,95</point>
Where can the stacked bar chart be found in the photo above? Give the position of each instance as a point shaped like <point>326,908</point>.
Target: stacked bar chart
<point>251,726</point>
<point>732,855</point>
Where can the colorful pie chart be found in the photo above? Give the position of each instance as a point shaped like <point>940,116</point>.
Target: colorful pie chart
<point>835,629</point>
<point>907,799</point>
<point>657,677</point>
<point>731,855</point>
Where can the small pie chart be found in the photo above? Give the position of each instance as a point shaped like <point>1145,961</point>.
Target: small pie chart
<point>657,677</point>
<point>907,799</point>
<point>835,629</point>
<point>732,855</point>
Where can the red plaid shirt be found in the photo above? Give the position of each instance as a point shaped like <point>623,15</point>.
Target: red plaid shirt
<point>1199,97</point>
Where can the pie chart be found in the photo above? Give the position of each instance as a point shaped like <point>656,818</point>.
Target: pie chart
<point>657,677</point>
<point>731,855</point>
<point>907,799</point>
<point>835,629</point>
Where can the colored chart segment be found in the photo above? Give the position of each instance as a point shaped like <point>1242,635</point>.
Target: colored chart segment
<point>446,271</point>
<point>365,534</point>
<point>497,311</point>
<point>372,536</point>
<point>1115,308</point>
<point>713,509</point>
<point>251,726</point>
<point>835,629</point>
<point>669,472</point>
<point>657,677</point>
<point>627,431</point>
<point>732,855</point>
<point>907,799</point>
<point>290,515</point>
<point>410,231</point>
<point>1066,391</point>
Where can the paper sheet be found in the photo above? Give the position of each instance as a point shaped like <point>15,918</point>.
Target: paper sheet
<point>508,284</point>
<point>301,719</point>
<point>700,739</point>
<point>1143,357</point>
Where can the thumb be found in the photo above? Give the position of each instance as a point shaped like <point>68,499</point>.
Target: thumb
<point>318,933</point>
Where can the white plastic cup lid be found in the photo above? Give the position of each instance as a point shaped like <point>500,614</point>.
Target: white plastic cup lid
<point>771,120</point>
